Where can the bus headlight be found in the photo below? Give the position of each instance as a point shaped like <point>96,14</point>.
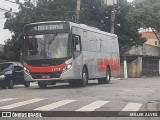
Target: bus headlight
<point>67,67</point>
<point>2,77</point>
<point>25,69</point>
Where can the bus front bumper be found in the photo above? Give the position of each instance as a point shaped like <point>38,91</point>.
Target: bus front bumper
<point>68,75</point>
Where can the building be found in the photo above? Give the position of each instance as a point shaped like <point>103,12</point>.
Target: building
<point>143,60</point>
<point>151,38</point>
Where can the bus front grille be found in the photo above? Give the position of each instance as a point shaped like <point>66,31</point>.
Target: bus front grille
<point>40,75</point>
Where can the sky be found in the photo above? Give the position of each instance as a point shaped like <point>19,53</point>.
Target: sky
<point>5,34</point>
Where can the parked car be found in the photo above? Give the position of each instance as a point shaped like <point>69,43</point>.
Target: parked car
<point>11,73</point>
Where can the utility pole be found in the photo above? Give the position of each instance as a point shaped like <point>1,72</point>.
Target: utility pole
<point>112,18</point>
<point>78,11</point>
<point>111,3</point>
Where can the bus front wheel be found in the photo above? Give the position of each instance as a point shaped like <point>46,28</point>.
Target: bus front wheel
<point>42,84</point>
<point>84,80</point>
<point>26,84</point>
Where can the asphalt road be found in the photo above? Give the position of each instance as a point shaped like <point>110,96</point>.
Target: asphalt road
<point>135,94</point>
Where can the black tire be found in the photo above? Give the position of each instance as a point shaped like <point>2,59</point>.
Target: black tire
<point>3,85</point>
<point>84,81</point>
<point>42,84</point>
<point>10,84</point>
<point>107,79</point>
<point>27,84</point>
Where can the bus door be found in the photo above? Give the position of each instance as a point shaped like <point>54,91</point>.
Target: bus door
<point>99,54</point>
<point>77,54</point>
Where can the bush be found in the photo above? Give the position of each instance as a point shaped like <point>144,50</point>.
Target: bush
<point>11,56</point>
<point>2,55</point>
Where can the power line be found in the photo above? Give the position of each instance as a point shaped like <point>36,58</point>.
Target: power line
<point>41,7</point>
<point>1,17</point>
<point>32,16</point>
<point>56,10</point>
<point>11,1</point>
<point>4,10</point>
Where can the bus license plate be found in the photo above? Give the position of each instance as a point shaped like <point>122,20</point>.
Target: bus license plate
<point>46,76</point>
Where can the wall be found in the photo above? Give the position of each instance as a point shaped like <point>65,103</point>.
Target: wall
<point>121,71</point>
<point>134,68</point>
<point>152,42</point>
<point>145,50</point>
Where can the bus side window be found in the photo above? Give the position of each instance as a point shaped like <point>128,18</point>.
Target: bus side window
<point>76,42</point>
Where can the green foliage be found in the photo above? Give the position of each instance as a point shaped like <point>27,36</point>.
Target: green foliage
<point>92,13</point>
<point>11,56</point>
<point>126,30</point>
<point>2,55</point>
<point>145,14</point>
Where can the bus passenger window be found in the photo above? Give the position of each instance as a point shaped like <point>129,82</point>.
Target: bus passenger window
<point>76,43</point>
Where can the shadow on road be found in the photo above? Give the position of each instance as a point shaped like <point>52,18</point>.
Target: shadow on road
<point>61,86</point>
<point>67,86</point>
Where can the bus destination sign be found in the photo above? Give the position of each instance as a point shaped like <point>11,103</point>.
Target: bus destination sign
<point>48,27</point>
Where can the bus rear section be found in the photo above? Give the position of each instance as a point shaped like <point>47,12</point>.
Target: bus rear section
<point>68,52</point>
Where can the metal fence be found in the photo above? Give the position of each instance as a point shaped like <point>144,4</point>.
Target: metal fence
<point>150,67</point>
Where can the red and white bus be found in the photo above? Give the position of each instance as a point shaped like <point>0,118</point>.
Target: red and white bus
<point>59,51</point>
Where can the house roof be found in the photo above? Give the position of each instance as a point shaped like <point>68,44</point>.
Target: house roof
<point>150,35</point>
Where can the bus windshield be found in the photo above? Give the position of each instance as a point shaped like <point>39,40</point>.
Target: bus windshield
<point>47,46</point>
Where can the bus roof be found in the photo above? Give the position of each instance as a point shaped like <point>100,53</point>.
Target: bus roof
<point>90,28</point>
<point>47,22</point>
<point>82,26</point>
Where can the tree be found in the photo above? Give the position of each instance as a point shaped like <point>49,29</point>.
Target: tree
<point>46,10</point>
<point>11,56</point>
<point>125,29</point>
<point>97,15</point>
<point>2,55</point>
<point>145,14</point>
<point>92,13</point>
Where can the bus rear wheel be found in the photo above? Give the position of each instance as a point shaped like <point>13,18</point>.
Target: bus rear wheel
<point>107,79</point>
<point>42,84</point>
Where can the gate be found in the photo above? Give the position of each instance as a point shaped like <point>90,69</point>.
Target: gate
<point>150,67</point>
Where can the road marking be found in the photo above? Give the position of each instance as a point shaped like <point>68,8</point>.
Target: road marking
<point>112,78</point>
<point>132,107</point>
<point>18,104</point>
<point>54,105</point>
<point>7,99</point>
<point>93,106</point>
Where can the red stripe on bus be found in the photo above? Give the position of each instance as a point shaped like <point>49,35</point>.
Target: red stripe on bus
<point>46,69</point>
<point>113,63</point>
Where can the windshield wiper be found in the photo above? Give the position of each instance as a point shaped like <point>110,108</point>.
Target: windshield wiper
<point>47,53</point>
<point>54,36</point>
